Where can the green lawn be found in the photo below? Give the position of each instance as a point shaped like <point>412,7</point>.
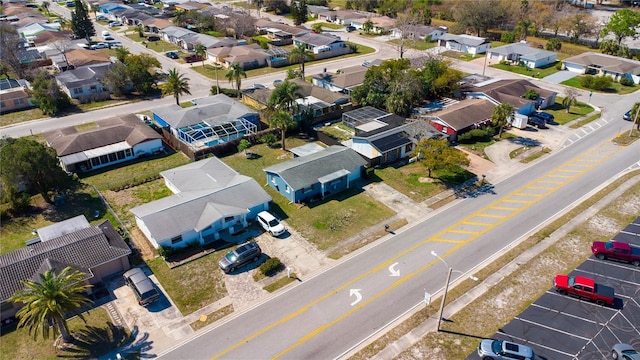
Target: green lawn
<point>193,285</point>
<point>160,46</point>
<point>537,73</point>
<point>16,230</point>
<point>99,334</point>
<point>616,88</point>
<point>415,44</point>
<point>16,117</point>
<point>560,112</point>
<point>332,26</point>
<point>461,55</point>
<point>146,167</point>
<point>411,180</point>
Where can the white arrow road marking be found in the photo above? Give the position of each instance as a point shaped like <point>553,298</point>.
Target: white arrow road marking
<point>393,271</point>
<point>355,292</point>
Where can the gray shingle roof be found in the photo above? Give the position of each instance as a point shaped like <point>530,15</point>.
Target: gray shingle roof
<point>212,110</point>
<point>525,51</point>
<point>109,131</point>
<point>303,171</point>
<point>466,113</point>
<point>86,75</point>
<point>607,62</point>
<point>511,91</point>
<point>317,39</point>
<point>464,39</point>
<point>209,191</point>
<point>82,250</point>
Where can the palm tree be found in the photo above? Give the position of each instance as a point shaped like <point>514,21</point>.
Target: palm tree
<point>570,96</point>
<point>45,5</point>
<point>176,85</point>
<point>284,96</point>
<point>283,121</point>
<point>367,26</point>
<point>49,299</point>
<point>317,27</point>
<point>299,54</point>
<point>500,116</point>
<point>523,28</point>
<point>122,53</point>
<point>236,73</point>
<point>635,117</point>
<point>201,51</point>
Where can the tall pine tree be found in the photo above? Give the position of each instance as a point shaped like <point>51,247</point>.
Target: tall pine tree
<point>81,24</point>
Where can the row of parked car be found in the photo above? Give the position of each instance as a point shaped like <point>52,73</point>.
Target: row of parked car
<point>490,349</point>
<point>539,119</point>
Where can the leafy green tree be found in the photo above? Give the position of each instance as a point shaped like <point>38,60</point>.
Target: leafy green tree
<point>293,74</point>
<point>300,54</point>
<point>47,95</point>
<point>622,23</point>
<point>508,37</point>
<point>138,69</point>
<point>523,28</point>
<point>81,24</point>
<point>269,139</point>
<point>501,116</point>
<point>317,28</point>
<point>33,164</point>
<point>176,85</point>
<point>235,74</point>
<point>554,44</point>
<point>243,146</point>
<point>531,94</point>
<point>201,50</point>
<point>117,79</point>
<point>122,53</point>
<point>49,300</point>
<point>284,96</point>
<point>299,12</point>
<point>436,154</point>
<point>570,98</point>
<point>477,15</point>
<point>284,121</point>
<point>367,26</point>
<point>94,9</point>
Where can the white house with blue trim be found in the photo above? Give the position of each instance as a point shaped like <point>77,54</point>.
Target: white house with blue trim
<point>211,201</point>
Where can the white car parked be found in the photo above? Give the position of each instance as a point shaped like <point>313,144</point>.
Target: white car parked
<point>270,224</point>
<point>99,46</point>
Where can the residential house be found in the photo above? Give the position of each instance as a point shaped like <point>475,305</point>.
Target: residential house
<point>210,201</point>
<point>283,34</point>
<point>77,58</point>
<point>465,43</point>
<point>256,97</point>
<point>419,32</point>
<point>97,250</point>
<point>112,141</point>
<point>323,45</point>
<point>315,10</point>
<point>247,56</point>
<point>325,172</point>
<point>85,82</point>
<point>191,5</point>
<point>30,31</point>
<point>108,8</point>
<point>602,64</point>
<point>381,24</point>
<point>512,92</point>
<point>344,81</point>
<point>381,137</point>
<point>342,16</point>
<point>461,117</point>
<point>213,120</point>
<point>520,53</point>
<point>188,39</point>
<point>14,95</point>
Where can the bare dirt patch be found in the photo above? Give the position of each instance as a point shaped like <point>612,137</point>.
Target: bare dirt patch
<point>147,251</point>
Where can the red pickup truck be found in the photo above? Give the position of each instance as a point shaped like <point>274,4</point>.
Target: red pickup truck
<point>584,288</point>
<point>616,250</point>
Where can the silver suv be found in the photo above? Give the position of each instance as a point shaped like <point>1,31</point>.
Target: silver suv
<point>141,285</point>
<point>243,254</point>
<point>490,349</point>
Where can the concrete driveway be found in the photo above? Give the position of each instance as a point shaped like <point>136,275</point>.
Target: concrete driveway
<point>560,76</point>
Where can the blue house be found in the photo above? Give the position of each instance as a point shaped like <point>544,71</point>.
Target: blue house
<point>316,175</point>
<point>108,8</point>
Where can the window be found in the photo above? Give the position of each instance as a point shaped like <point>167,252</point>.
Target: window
<point>228,219</point>
<point>176,239</point>
<point>273,179</point>
<point>18,101</point>
<point>287,189</point>
<point>120,155</point>
<point>95,161</point>
<point>104,159</point>
<point>588,289</point>
<point>77,91</point>
<point>127,152</point>
<point>2,104</point>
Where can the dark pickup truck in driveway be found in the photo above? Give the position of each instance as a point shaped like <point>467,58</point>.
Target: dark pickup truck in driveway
<point>616,250</point>
<point>584,288</point>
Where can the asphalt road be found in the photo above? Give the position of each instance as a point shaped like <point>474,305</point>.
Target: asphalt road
<point>323,317</point>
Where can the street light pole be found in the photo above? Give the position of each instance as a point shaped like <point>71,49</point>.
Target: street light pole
<point>444,298</point>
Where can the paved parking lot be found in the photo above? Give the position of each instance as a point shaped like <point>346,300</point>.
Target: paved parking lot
<point>559,327</point>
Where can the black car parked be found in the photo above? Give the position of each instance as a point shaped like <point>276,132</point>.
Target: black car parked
<point>141,285</point>
<point>244,254</point>
<point>548,118</point>
<point>537,122</point>
<point>172,54</point>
